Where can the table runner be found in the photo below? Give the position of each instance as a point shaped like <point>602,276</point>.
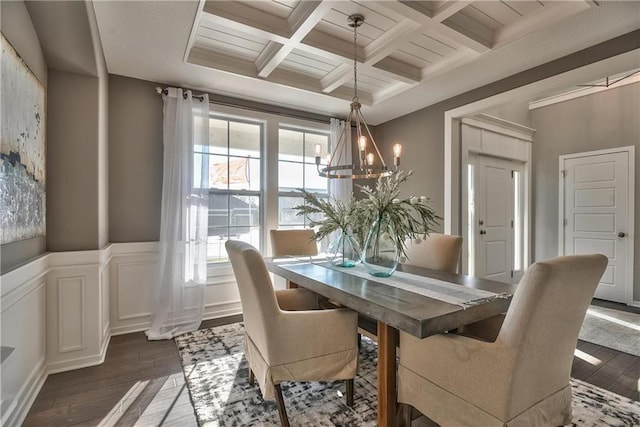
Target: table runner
<point>432,288</point>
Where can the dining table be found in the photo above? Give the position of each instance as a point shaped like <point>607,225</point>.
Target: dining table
<point>415,300</point>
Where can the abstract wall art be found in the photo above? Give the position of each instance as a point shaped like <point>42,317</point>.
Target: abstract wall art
<point>22,149</point>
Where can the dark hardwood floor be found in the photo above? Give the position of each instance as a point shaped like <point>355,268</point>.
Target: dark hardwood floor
<point>141,383</point>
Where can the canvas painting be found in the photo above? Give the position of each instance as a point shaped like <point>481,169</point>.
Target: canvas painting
<point>22,150</point>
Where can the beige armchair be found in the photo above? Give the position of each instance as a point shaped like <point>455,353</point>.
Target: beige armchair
<point>436,252</point>
<point>301,345</point>
<point>293,242</point>
<point>520,377</point>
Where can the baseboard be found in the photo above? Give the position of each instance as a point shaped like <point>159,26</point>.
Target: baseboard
<point>17,412</point>
<point>80,362</point>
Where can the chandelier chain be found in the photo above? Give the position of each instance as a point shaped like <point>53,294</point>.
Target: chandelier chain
<point>355,63</point>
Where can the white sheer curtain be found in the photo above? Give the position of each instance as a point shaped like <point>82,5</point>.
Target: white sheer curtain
<point>178,291</point>
<point>341,188</point>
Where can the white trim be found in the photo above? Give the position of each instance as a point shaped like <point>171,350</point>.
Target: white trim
<point>62,310</point>
<point>578,93</point>
<point>630,150</point>
<point>517,148</point>
<point>610,66</point>
<point>15,414</point>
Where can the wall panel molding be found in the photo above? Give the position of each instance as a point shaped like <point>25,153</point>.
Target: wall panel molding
<point>73,303</point>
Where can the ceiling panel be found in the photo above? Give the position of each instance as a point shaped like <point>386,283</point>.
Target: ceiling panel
<point>281,9</point>
<point>498,11</point>
<point>525,7</point>
<point>398,42</point>
<point>478,15</point>
<point>410,59</point>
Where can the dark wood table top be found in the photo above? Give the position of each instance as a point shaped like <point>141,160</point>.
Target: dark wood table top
<point>413,313</point>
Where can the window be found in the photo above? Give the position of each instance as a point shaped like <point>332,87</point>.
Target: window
<point>234,179</point>
<point>297,169</point>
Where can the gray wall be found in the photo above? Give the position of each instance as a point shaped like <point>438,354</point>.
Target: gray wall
<point>18,29</point>
<point>72,156</point>
<point>603,120</point>
<point>135,160</point>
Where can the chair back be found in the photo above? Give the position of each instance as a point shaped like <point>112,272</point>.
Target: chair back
<point>293,242</point>
<point>436,252</point>
<point>543,321</point>
<point>259,304</point>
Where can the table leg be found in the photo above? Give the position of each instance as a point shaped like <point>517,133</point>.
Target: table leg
<point>291,285</point>
<point>387,390</point>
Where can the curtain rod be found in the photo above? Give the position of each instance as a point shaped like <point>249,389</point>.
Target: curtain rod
<point>159,90</point>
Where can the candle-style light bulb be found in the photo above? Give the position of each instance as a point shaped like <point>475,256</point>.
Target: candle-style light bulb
<point>397,151</point>
<point>362,142</point>
<point>370,159</point>
<point>318,148</point>
<point>328,158</point>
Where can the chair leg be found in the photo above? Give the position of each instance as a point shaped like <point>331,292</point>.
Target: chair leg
<point>349,384</point>
<point>282,411</point>
<point>359,341</point>
<point>251,377</point>
<point>406,414</point>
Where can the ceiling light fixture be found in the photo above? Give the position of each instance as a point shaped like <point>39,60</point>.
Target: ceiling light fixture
<point>370,163</point>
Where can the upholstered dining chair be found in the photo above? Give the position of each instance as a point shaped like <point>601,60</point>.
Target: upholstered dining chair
<point>436,252</point>
<point>295,242</point>
<point>303,344</point>
<point>515,370</point>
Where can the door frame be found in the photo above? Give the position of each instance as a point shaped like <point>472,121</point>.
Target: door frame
<point>630,150</point>
<point>516,147</point>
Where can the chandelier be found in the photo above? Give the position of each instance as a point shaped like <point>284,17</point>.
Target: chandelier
<point>370,163</point>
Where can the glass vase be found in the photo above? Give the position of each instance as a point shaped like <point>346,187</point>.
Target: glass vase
<point>380,255</point>
<point>344,251</point>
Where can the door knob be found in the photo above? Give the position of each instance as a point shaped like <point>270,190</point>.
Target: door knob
<point>483,232</point>
<point>481,222</point>
<point>621,234</point>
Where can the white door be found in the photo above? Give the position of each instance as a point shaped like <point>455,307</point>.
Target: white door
<point>493,202</point>
<point>596,218</point>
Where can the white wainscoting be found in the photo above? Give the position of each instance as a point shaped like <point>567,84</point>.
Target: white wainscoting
<point>60,310</point>
<point>132,272</point>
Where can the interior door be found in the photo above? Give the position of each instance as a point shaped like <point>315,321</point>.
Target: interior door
<point>596,215</point>
<point>494,212</point>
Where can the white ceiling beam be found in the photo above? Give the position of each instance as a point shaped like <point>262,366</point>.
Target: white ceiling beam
<point>336,78</point>
<point>448,8</point>
<point>390,41</point>
<point>272,55</point>
<point>304,17</point>
<point>430,24</point>
<point>247,19</point>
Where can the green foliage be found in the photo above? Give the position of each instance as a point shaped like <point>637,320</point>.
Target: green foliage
<point>337,213</point>
<point>410,218</point>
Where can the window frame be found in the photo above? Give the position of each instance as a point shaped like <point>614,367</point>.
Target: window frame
<point>221,272</point>
<point>292,193</point>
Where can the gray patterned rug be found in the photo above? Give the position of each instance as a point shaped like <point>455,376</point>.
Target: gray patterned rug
<point>216,373</point>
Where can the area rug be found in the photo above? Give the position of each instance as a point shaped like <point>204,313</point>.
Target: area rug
<point>619,330</point>
<point>216,373</point>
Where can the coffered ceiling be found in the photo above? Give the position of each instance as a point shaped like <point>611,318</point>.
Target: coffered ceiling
<point>309,45</point>
<point>300,53</point>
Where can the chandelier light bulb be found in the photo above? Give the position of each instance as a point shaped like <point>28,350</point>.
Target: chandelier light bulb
<point>370,158</point>
<point>397,150</point>
<point>318,148</point>
<point>362,142</point>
